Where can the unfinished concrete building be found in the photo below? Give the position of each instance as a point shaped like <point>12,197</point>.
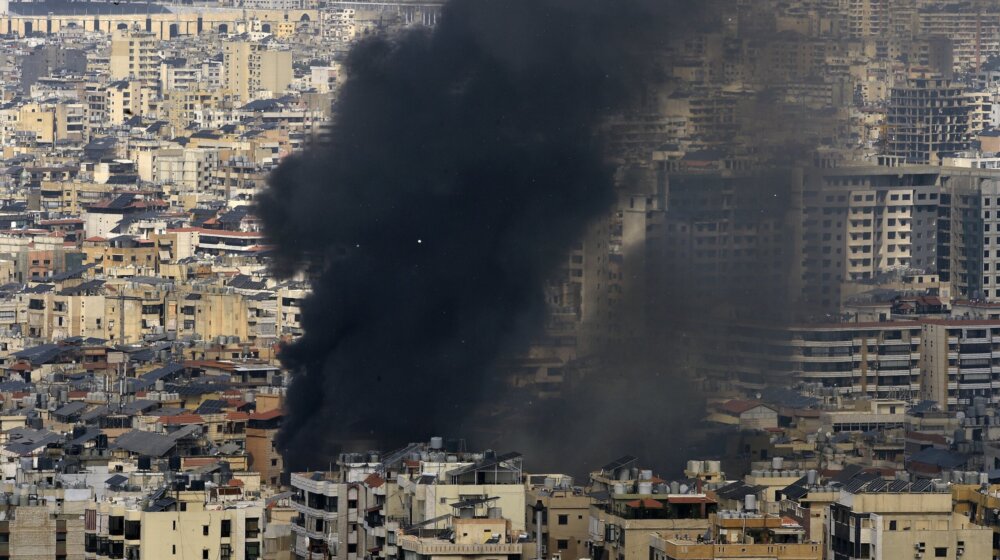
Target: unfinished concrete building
<point>927,118</point>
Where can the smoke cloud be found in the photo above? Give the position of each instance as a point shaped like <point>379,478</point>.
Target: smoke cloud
<point>462,165</point>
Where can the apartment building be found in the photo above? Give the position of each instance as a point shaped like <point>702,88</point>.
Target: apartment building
<point>331,507</point>
<point>165,530</point>
<point>883,520</point>
<point>565,514</point>
<point>184,170</point>
<point>622,525</point>
<point>927,118</point>
<point>858,226</point>
<point>251,67</point>
<point>470,534</point>
<point>134,55</point>
<point>743,534</point>
<point>948,361</point>
<point>959,361</point>
<point>70,197</point>
<point>261,438</point>
<point>979,503</point>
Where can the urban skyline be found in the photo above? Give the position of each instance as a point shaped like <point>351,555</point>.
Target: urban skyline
<point>499,280</point>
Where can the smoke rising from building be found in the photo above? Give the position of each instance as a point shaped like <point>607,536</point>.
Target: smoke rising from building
<point>462,165</point>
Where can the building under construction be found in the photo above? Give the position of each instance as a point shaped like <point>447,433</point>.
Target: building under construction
<point>928,117</point>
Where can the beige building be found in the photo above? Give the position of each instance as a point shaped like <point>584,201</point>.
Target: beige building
<point>565,515</point>
<point>184,170</point>
<point>622,526</point>
<point>199,530</point>
<point>469,537</point>
<point>129,98</point>
<point>38,122</point>
<point>32,532</point>
<point>740,535</point>
<point>134,55</point>
<point>252,67</point>
<point>882,522</point>
<point>70,197</point>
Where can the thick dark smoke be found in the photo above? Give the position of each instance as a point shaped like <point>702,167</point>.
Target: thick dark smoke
<point>461,167</point>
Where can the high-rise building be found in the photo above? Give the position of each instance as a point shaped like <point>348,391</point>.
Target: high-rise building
<point>134,55</point>
<point>927,118</point>
<point>251,67</point>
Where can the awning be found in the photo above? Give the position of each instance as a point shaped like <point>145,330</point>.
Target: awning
<point>647,503</point>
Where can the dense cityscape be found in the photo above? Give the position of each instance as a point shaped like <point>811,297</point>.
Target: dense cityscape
<point>482,280</point>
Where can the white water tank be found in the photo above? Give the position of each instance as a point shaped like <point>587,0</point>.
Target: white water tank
<point>437,442</point>
<point>777,463</point>
<point>645,488</point>
<point>750,502</point>
<point>619,488</point>
<point>695,467</point>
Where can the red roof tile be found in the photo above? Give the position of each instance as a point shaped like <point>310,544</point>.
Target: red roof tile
<point>267,414</point>
<point>182,419</point>
<point>737,406</point>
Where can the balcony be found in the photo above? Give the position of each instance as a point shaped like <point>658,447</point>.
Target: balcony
<point>444,548</point>
<point>974,386</point>
<point>686,550</point>
<point>976,340</point>
<point>304,552</point>
<point>814,359</point>
<point>325,486</point>
<point>301,527</point>
<point>325,514</point>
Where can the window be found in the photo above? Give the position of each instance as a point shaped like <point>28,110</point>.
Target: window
<point>941,552</point>
<point>204,554</point>
<point>892,525</point>
<point>563,519</point>
<point>562,544</point>
<point>253,529</point>
<point>352,548</point>
<point>173,549</point>
<point>225,552</point>
<point>132,530</point>
<point>226,527</point>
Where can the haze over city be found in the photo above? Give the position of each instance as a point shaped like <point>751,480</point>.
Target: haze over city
<point>499,280</point>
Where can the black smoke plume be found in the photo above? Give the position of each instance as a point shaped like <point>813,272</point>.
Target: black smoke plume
<point>461,166</point>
